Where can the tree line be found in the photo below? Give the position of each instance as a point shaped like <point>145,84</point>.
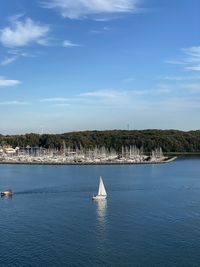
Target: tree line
<point>169,140</point>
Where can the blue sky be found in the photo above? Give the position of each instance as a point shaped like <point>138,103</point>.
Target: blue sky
<point>89,64</point>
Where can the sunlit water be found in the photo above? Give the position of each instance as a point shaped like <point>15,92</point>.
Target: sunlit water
<point>151,216</point>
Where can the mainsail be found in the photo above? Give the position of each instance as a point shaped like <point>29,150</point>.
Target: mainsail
<point>102,190</point>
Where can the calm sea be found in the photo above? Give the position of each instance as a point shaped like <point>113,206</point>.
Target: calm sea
<point>151,216</point>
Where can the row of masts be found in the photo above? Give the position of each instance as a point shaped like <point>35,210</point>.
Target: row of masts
<point>126,152</point>
<point>67,154</point>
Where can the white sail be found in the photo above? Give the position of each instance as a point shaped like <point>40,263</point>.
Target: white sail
<point>102,190</point>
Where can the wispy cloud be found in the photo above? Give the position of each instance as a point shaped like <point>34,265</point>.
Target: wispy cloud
<point>15,17</point>
<point>99,97</point>
<point>161,89</point>
<point>99,31</point>
<point>7,83</point>
<point>107,18</point>
<point>20,53</point>
<point>62,105</point>
<point>13,55</point>
<point>157,103</point>
<point>54,99</point>
<point>193,51</point>
<point>8,60</point>
<point>68,44</point>
<point>193,58</point>
<point>129,80</point>
<point>107,97</point>
<point>105,94</point>
<point>14,103</point>
<point>190,58</point>
<point>192,87</point>
<point>120,95</point>
<point>180,78</point>
<point>177,62</point>
<point>23,32</point>
<point>84,8</point>
<point>181,84</point>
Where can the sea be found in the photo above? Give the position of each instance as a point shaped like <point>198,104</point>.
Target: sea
<point>151,216</point>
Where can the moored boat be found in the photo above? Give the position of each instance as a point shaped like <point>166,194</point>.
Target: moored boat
<point>7,193</point>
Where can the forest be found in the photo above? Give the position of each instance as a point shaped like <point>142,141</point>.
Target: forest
<point>168,140</point>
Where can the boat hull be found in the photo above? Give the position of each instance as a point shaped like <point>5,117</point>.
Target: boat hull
<point>6,193</point>
<point>98,197</point>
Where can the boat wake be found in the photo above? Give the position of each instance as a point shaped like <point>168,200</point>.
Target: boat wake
<point>53,190</point>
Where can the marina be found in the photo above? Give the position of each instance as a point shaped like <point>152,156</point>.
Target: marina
<point>38,155</point>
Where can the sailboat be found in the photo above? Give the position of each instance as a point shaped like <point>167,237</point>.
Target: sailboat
<point>102,191</point>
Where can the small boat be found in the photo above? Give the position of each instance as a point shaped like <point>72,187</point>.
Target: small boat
<point>7,193</point>
<point>102,191</point>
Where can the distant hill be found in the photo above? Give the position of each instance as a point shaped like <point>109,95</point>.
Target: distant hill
<point>169,140</point>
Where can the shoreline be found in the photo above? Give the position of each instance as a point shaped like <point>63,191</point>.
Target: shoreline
<point>87,163</point>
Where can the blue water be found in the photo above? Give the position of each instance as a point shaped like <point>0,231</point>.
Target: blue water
<point>151,216</point>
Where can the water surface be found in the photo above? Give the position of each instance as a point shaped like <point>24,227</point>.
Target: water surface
<point>151,216</point>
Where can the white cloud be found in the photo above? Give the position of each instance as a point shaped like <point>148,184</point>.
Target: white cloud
<point>83,8</point>
<point>14,103</point>
<point>21,33</point>
<point>6,83</point>
<point>68,43</point>
<point>190,58</point>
